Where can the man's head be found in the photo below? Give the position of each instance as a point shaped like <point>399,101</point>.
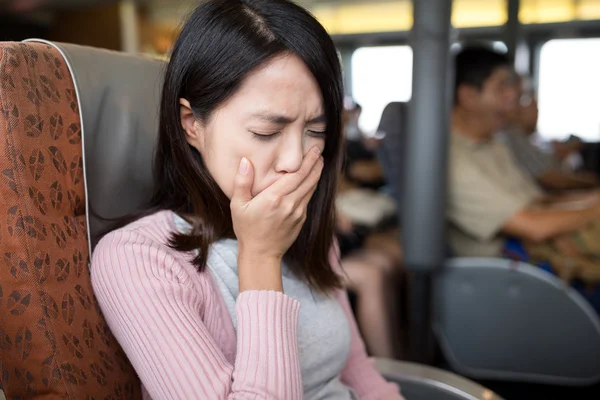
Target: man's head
<point>522,113</point>
<point>484,88</point>
<point>528,108</point>
<point>355,112</point>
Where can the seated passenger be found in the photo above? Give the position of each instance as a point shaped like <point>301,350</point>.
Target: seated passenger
<point>227,286</point>
<point>361,198</point>
<point>371,257</point>
<point>491,199</point>
<point>520,125</point>
<point>568,152</point>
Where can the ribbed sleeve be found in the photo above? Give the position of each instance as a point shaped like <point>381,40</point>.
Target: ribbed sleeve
<point>360,373</point>
<point>156,313</point>
<point>267,356</point>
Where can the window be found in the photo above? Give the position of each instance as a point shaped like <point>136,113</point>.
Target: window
<point>569,89</point>
<point>380,75</point>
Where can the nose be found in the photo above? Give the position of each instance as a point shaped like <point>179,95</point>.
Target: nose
<point>511,97</point>
<point>290,153</point>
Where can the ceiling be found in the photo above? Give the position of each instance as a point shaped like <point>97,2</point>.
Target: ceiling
<point>171,11</point>
<point>22,6</point>
<point>164,12</point>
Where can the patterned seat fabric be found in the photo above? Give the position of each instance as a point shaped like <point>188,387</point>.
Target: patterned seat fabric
<point>53,338</point>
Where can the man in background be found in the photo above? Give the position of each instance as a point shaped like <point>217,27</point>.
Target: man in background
<point>490,198</point>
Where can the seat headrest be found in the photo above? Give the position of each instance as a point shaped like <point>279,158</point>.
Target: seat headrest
<point>119,97</point>
<point>391,154</point>
<point>393,119</point>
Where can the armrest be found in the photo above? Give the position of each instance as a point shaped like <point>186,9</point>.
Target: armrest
<point>422,382</point>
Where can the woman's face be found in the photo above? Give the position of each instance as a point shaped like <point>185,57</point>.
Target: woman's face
<point>273,120</point>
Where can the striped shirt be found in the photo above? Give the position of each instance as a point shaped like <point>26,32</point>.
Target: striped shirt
<point>530,158</point>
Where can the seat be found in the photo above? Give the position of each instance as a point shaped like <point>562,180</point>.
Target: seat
<point>113,102</point>
<point>507,320</point>
<point>119,98</point>
<point>423,382</point>
<point>392,126</point>
<point>492,316</point>
<point>54,340</point>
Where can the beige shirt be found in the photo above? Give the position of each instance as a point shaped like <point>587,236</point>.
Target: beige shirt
<point>486,188</point>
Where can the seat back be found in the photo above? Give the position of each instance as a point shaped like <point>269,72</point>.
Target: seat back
<point>393,125</point>
<point>119,96</point>
<point>500,319</point>
<point>54,341</point>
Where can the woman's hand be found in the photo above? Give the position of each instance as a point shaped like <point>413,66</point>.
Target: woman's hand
<point>268,224</point>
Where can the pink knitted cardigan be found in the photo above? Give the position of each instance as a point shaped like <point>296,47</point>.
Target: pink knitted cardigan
<point>174,326</point>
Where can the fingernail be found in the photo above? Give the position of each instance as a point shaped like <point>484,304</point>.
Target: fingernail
<point>244,166</point>
<point>317,150</point>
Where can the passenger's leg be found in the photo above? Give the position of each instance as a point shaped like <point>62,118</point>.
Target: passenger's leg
<point>387,243</point>
<point>370,275</point>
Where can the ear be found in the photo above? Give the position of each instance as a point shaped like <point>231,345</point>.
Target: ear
<point>467,96</point>
<point>192,127</point>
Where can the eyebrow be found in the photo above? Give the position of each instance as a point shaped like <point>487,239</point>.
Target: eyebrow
<point>282,120</point>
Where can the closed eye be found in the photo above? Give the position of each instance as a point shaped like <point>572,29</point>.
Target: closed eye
<point>265,136</point>
<point>319,134</point>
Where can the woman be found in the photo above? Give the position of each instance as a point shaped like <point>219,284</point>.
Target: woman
<point>246,171</point>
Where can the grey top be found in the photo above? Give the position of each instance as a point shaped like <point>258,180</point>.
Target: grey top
<point>528,156</point>
<point>323,329</point>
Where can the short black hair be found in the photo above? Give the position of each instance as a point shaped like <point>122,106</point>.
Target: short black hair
<point>474,65</point>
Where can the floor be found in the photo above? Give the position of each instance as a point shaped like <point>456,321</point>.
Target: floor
<point>522,391</point>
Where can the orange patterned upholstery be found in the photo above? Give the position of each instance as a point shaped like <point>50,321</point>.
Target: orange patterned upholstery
<point>53,339</point>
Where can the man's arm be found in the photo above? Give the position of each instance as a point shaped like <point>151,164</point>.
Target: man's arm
<point>541,224</point>
<point>572,200</point>
<point>555,179</point>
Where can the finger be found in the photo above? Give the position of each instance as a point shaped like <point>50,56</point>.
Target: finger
<point>308,196</point>
<point>303,203</point>
<point>242,185</point>
<point>290,182</point>
<point>309,183</point>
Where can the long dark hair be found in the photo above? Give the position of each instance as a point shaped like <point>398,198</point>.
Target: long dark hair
<point>222,42</point>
